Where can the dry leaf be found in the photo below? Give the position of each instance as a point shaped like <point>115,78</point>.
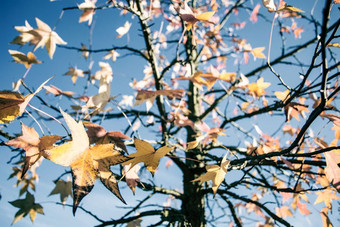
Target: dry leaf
<point>123,30</point>
<point>74,72</point>
<point>215,173</point>
<point>293,109</point>
<point>56,91</point>
<point>87,163</point>
<point>26,206</point>
<point>13,104</point>
<point>63,188</point>
<point>20,57</point>
<point>88,8</point>
<point>33,145</point>
<point>97,134</point>
<point>189,17</point>
<point>147,154</point>
<point>270,5</point>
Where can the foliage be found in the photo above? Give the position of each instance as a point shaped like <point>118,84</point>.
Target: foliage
<point>260,130</point>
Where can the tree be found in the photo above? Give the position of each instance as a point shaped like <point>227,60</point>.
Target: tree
<point>251,140</point>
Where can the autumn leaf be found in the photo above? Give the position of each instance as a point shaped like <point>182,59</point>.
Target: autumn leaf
<point>44,36</point>
<point>33,145</point>
<point>150,96</point>
<point>287,7</point>
<point>326,196</point>
<point>131,176</point>
<point>27,60</point>
<point>333,45</point>
<point>100,100</point>
<point>270,5</point>
<point>74,72</point>
<point>324,217</point>
<point>85,51</point>
<point>197,79</point>
<point>257,52</point>
<point>147,154</point>
<point>215,173</point>
<point>192,145</point>
<point>112,54</point>
<point>257,88</point>
<point>63,188</point>
<point>293,109</point>
<point>283,211</point>
<point>88,8</point>
<point>283,96</point>
<point>334,118</point>
<point>97,134</point>
<point>124,29</point>
<point>13,104</point>
<point>56,91</point>
<point>87,163</point>
<point>332,169</point>
<point>26,206</point>
<point>190,18</point>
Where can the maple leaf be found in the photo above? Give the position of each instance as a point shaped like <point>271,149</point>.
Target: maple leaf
<point>191,19</point>
<point>13,104</point>
<point>293,109</point>
<point>124,29</point>
<point>45,36</point>
<point>326,196</point>
<point>254,13</point>
<point>85,51</point>
<point>283,96</point>
<point>26,206</point>
<point>283,211</point>
<point>112,54</point>
<point>257,52</point>
<point>197,79</point>
<point>74,73</point>
<point>147,154</point>
<point>334,118</point>
<point>269,4</point>
<point>56,91</point>
<point>63,188</point>
<point>325,219</point>
<point>87,163</point>
<point>286,7</point>
<point>332,169</point>
<point>32,144</point>
<point>88,7</point>
<point>97,134</point>
<point>150,96</point>
<point>257,88</point>
<point>27,60</point>
<point>215,173</point>
<point>131,176</point>
<point>24,37</point>
<point>100,100</point>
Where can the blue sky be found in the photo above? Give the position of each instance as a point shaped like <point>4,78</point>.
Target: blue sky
<point>100,201</point>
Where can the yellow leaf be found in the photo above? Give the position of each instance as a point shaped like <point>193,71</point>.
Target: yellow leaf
<point>333,45</point>
<point>257,52</point>
<point>32,144</point>
<point>147,154</point>
<point>290,8</point>
<point>205,16</point>
<point>87,163</point>
<point>215,173</point>
<point>192,145</point>
<point>20,57</point>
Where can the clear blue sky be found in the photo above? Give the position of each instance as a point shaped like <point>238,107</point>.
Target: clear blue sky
<point>99,201</point>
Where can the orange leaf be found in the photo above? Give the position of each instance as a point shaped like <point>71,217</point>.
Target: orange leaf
<point>293,109</point>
